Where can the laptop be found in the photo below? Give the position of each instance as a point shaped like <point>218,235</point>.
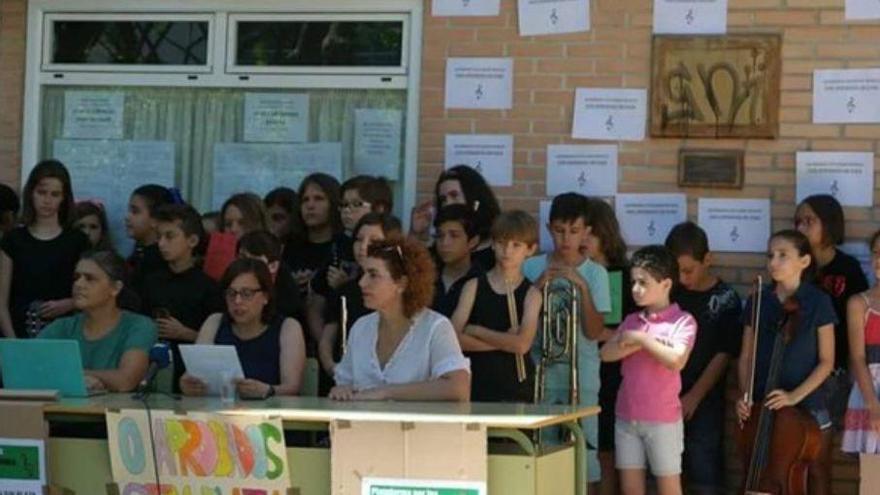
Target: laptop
<point>43,364</point>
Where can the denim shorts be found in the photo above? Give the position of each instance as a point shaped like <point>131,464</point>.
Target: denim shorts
<point>658,444</point>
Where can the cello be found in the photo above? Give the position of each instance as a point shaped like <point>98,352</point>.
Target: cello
<point>776,446</point>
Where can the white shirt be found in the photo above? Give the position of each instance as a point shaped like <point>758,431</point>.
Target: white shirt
<point>428,351</point>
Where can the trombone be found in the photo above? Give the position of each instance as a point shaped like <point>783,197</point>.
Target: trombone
<point>560,325</point>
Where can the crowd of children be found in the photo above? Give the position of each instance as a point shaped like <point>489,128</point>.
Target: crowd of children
<point>657,332</point>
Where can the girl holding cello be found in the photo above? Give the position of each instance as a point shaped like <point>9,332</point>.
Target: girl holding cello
<point>783,415</point>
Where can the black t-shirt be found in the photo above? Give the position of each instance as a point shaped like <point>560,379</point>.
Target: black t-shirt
<point>718,312</point>
<point>840,279</point>
<point>342,257</point>
<point>190,296</point>
<point>144,260</point>
<point>288,301</point>
<point>42,270</point>
<point>307,255</point>
<point>445,301</point>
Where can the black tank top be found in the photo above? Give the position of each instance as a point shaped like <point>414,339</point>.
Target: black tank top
<point>260,356</point>
<point>493,373</point>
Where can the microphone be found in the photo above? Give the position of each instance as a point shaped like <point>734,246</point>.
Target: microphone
<point>160,358</point>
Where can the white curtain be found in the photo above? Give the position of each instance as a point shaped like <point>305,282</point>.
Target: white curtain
<point>195,119</point>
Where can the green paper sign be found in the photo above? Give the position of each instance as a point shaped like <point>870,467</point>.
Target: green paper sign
<point>615,285</point>
<point>385,486</point>
<point>19,462</point>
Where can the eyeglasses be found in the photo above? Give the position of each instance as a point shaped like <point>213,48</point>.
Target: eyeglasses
<point>354,205</point>
<point>245,294</point>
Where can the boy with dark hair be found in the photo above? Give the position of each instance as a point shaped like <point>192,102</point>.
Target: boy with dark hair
<point>716,307</point>
<point>264,246</point>
<point>180,297</point>
<point>568,266</point>
<point>653,344</point>
<point>455,238</point>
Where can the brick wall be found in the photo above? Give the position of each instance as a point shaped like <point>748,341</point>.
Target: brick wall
<point>12,52</point>
<point>616,53</point>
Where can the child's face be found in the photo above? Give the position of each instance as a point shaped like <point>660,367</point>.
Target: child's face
<point>352,208</point>
<point>784,262</point>
<point>510,254</point>
<point>90,225</point>
<point>47,197</point>
<point>452,243</point>
<point>210,225</point>
<point>808,223</point>
<point>233,221</point>
<point>366,235</point>
<point>691,271</point>
<point>138,222</point>
<point>592,246</point>
<point>173,242</point>
<point>315,207</point>
<point>647,291</point>
<point>279,221</point>
<point>568,236</point>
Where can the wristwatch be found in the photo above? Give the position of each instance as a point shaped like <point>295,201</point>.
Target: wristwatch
<point>270,392</point>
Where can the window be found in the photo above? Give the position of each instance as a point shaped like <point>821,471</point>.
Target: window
<point>214,102</point>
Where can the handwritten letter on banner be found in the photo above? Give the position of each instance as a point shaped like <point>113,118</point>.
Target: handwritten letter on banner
<point>648,218</point>
<point>848,96</point>
<point>479,83</point>
<point>589,170</point>
<point>553,16</point>
<point>197,453</point>
<point>848,176</point>
<point>610,114</point>
<point>736,225</point>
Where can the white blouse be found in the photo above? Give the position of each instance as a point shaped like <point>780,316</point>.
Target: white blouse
<point>429,350</point>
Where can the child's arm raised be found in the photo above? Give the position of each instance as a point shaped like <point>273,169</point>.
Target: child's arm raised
<point>519,340</point>
<point>672,353</point>
<point>460,318</point>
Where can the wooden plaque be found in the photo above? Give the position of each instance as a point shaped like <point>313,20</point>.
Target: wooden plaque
<point>711,168</point>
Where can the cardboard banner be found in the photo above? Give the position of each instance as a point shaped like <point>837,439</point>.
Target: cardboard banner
<point>197,453</point>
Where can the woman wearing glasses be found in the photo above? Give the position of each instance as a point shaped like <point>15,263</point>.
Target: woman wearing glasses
<point>270,347</point>
<point>403,350</point>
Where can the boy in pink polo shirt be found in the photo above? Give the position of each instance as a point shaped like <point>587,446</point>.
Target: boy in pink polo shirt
<point>654,344</point>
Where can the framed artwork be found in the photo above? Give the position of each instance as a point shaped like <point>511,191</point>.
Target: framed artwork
<point>716,86</point>
<point>711,168</point>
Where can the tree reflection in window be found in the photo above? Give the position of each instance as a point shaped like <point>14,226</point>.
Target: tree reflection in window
<point>130,42</point>
<point>290,43</point>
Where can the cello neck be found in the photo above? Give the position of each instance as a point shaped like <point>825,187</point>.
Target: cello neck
<point>757,298</point>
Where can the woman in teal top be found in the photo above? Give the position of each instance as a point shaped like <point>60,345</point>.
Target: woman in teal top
<point>114,343</point>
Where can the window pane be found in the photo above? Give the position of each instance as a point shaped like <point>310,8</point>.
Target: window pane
<point>130,42</point>
<point>294,44</point>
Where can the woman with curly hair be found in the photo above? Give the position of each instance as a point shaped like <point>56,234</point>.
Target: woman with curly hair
<point>403,350</point>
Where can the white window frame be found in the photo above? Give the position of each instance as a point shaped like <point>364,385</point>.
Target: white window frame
<point>234,19</point>
<point>217,73</point>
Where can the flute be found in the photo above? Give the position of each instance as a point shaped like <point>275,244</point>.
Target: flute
<point>514,323</point>
<point>344,323</point>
